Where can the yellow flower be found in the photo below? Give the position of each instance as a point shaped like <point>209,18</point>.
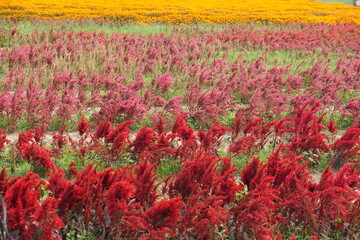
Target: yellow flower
<point>184,11</point>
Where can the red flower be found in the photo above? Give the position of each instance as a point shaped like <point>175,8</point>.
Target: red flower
<point>118,197</point>
<point>332,126</point>
<point>36,154</point>
<point>165,213</point>
<point>3,139</point>
<point>103,129</point>
<point>83,126</point>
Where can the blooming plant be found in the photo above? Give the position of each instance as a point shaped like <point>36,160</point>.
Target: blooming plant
<point>184,11</point>
<point>209,132</point>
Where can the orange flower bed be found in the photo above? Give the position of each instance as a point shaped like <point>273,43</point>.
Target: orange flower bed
<point>184,11</point>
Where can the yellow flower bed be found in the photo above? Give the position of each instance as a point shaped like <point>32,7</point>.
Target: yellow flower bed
<point>183,11</point>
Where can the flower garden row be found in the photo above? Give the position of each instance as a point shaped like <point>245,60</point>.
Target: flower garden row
<point>201,134</point>
<point>56,76</point>
<point>184,11</point>
<point>205,198</point>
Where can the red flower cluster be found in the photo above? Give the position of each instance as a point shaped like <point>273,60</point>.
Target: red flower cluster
<point>208,198</point>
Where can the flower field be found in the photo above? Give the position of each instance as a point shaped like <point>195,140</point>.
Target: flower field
<point>184,11</point>
<point>175,131</point>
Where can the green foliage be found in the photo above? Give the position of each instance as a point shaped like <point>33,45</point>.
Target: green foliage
<point>124,159</point>
<point>28,27</point>
<point>73,234</point>
<point>168,167</point>
<point>345,2</point>
<point>240,161</point>
<point>56,124</point>
<point>13,164</point>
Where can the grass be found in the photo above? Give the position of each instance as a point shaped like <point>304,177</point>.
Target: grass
<point>28,27</point>
<point>168,167</point>
<point>344,2</point>
<point>31,25</point>
<point>13,164</point>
